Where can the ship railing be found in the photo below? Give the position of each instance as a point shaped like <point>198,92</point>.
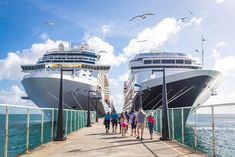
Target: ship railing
<point>24,128</point>
<point>209,128</point>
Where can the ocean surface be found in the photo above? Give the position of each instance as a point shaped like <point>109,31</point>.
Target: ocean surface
<point>224,133</point>
<point>17,130</point>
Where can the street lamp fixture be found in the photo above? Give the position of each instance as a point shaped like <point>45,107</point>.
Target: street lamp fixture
<point>165,129</point>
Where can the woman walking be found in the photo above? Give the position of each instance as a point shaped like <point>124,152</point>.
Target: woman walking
<point>107,118</point>
<point>123,122</point>
<point>150,121</point>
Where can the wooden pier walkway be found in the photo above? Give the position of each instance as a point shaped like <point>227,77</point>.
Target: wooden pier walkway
<point>94,142</point>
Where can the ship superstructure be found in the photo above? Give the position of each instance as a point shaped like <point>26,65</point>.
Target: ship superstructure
<point>84,74</point>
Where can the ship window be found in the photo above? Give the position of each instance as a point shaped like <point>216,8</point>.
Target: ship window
<point>168,61</point>
<point>147,61</point>
<point>156,61</point>
<point>180,61</point>
<point>188,62</point>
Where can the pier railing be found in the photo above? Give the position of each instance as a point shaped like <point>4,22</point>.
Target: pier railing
<point>209,129</point>
<point>25,128</point>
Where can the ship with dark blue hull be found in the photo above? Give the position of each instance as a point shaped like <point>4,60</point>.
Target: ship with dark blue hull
<point>188,85</point>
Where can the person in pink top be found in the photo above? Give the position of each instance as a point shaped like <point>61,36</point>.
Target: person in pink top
<point>150,121</point>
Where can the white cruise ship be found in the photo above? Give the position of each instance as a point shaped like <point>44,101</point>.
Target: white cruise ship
<point>187,83</point>
<point>42,81</point>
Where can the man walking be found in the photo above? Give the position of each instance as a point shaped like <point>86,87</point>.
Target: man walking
<point>132,121</point>
<point>140,118</point>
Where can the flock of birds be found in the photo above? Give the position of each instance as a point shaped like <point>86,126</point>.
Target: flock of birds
<point>144,16</point>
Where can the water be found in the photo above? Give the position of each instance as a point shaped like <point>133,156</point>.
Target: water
<point>224,131</point>
<point>224,134</point>
<point>17,129</point>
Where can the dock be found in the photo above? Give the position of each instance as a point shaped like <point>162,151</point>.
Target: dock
<point>93,141</point>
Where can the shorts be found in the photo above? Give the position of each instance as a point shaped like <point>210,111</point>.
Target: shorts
<point>150,125</point>
<point>140,126</point>
<point>133,125</point>
<point>114,122</point>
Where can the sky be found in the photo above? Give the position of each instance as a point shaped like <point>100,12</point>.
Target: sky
<point>105,25</point>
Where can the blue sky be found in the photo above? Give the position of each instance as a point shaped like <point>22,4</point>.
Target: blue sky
<point>106,23</point>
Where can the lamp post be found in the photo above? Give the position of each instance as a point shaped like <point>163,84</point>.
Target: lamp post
<point>165,130</point>
<point>60,126</point>
<point>97,97</point>
<point>88,109</point>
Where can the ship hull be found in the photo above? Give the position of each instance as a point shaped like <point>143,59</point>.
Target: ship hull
<point>44,92</point>
<point>187,89</point>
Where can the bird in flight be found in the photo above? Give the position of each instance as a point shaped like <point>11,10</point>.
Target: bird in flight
<point>191,13</point>
<point>141,16</point>
<point>49,23</point>
<point>182,19</point>
<point>140,41</point>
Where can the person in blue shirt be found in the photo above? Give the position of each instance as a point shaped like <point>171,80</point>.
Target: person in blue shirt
<point>114,117</point>
<point>107,118</point>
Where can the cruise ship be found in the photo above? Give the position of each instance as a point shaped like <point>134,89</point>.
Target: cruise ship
<point>188,85</point>
<point>83,74</point>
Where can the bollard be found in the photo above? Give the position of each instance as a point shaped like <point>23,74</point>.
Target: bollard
<point>27,131</point>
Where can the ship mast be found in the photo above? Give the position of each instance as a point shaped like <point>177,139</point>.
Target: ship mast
<point>202,40</point>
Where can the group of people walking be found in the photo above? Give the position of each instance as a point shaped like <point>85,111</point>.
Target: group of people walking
<point>136,121</point>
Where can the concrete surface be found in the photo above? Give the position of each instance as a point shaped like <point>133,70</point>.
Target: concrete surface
<point>93,141</point>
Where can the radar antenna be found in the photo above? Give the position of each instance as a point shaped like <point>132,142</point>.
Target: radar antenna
<point>61,47</point>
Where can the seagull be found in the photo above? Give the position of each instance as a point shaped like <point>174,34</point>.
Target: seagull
<point>49,23</point>
<point>191,13</point>
<point>141,16</point>
<point>140,41</point>
<point>182,19</point>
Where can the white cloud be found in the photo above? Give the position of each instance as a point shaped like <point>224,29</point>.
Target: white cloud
<point>225,65</point>
<point>220,44</point>
<point>44,36</point>
<point>219,1</point>
<point>156,36</point>
<point>10,66</point>
<point>13,96</point>
<point>216,54</point>
<point>106,29</point>
<point>119,81</point>
<point>109,58</point>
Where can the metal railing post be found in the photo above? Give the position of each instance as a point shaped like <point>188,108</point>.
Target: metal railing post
<point>52,124</point>
<point>182,123</point>
<point>173,125</point>
<point>161,122</point>
<point>213,130</point>
<point>27,131</point>
<point>75,118</point>
<point>6,133</point>
<point>169,132</point>
<point>156,121</point>
<point>195,130</point>
<point>42,118</point>
<point>71,121</point>
<point>66,122</point>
